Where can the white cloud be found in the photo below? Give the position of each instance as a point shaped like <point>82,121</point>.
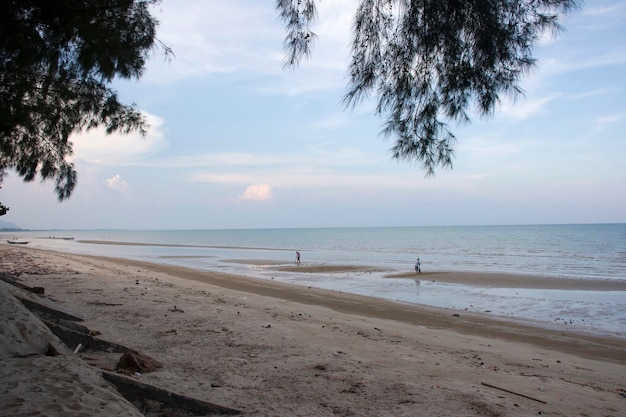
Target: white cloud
<point>593,93</point>
<point>584,62</point>
<point>525,108</point>
<point>258,192</point>
<point>97,147</point>
<point>603,122</point>
<point>117,183</point>
<point>489,148</point>
<point>609,10</point>
<point>216,37</point>
<point>317,154</point>
<point>314,177</point>
<point>243,37</point>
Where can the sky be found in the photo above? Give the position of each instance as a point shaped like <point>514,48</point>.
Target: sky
<point>237,141</point>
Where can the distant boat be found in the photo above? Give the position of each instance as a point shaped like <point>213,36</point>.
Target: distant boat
<point>17,242</point>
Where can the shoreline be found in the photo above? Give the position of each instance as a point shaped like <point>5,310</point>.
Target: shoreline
<point>442,280</point>
<point>583,341</point>
<point>269,348</point>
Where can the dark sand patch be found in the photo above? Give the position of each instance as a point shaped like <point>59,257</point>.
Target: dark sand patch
<point>186,257</point>
<point>259,262</point>
<point>497,280</point>
<point>329,268</point>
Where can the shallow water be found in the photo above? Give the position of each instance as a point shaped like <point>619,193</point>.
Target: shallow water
<point>577,251</point>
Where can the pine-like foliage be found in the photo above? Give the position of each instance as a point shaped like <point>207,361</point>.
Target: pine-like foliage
<point>432,62</point>
<point>57,59</point>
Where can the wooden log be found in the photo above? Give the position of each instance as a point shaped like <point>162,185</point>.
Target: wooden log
<point>147,395</point>
<point>41,308</point>
<point>513,392</point>
<point>72,325</point>
<point>73,338</point>
<point>10,280</point>
<point>134,361</point>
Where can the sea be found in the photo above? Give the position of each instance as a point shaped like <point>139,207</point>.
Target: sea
<point>589,251</point>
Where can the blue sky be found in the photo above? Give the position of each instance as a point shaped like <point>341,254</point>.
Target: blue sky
<point>236,141</point>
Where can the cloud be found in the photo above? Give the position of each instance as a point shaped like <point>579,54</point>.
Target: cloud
<point>239,38</point>
<point>594,93</point>
<point>95,146</point>
<point>583,61</point>
<point>603,122</point>
<point>314,177</point>
<point>216,37</point>
<point>489,148</point>
<point>525,108</point>
<point>610,10</point>
<point>316,154</point>
<point>259,192</point>
<point>117,183</point>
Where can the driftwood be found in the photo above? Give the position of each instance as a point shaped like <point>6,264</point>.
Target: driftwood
<point>40,308</point>
<point>7,278</point>
<point>100,303</point>
<point>72,325</point>
<point>147,398</point>
<point>513,392</point>
<point>154,399</point>
<point>133,361</point>
<point>73,338</point>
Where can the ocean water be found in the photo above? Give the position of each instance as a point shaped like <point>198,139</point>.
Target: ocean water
<point>594,251</point>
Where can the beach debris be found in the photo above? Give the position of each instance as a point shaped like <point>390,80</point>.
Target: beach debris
<point>176,310</point>
<point>150,399</point>
<point>512,392</point>
<point>8,279</point>
<point>101,303</point>
<point>43,309</point>
<point>51,350</point>
<point>153,401</point>
<point>134,361</point>
<point>73,338</point>
<point>321,366</point>
<point>71,325</point>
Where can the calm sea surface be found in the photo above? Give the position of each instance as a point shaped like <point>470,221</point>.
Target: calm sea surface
<point>596,251</point>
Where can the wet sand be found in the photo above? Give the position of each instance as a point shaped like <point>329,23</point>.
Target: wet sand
<point>485,279</point>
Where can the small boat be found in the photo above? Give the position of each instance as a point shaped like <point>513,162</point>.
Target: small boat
<point>17,242</point>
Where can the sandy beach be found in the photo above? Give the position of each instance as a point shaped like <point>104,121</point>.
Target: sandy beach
<point>271,349</point>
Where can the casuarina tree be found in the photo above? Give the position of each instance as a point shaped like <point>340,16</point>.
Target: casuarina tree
<point>432,63</point>
<point>57,60</point>
<point>428,63</point>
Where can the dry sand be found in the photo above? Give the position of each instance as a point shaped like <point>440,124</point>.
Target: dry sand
<point>271,349</point>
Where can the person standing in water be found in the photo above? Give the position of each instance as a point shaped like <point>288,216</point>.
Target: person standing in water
<point>418,267</point>
<point>297,258</point>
